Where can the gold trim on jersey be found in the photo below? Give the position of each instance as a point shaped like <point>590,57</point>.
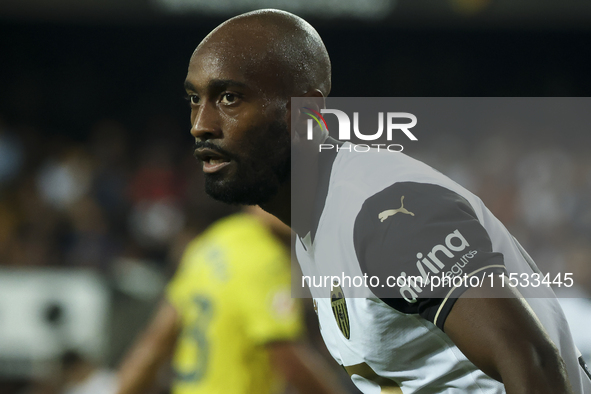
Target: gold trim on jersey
<point>455,287</point>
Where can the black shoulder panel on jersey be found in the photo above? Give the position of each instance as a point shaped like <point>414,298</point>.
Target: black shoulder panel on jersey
<point>413,236</point>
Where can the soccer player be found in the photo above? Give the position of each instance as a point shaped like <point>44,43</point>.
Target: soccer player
<point>229,318</point>
<point>378,214</point>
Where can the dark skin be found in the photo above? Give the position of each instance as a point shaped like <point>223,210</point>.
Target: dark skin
<point>501,336</point>
<point>233,98</point>
<point>499,333</point>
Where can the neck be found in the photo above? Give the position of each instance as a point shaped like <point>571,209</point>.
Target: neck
<point>294,204</point>
<point>280,205</point>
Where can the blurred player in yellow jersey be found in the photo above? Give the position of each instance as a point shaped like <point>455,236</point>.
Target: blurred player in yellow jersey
<point>229,318</point>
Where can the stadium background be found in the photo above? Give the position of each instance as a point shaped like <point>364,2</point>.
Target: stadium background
<point>99,190</point>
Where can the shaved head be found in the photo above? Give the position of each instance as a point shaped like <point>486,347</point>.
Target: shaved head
<point>239,84</point>
<point>275,44</point>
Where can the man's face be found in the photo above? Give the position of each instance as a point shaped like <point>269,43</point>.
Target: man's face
<point>240,125</point>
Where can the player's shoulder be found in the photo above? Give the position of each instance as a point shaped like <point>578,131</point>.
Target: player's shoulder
<point>415,204</point>
<point>379,192</point>
<point>223,236</point>
<point>238,230</point>
<point>249,242</point>
<point>238,223</point>
<point>419,230</point>
<point>380,164</point>
<point>409,214</point>
<point>363,175</point>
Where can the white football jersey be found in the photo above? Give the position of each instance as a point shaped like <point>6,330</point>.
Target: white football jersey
<point>386,215</point>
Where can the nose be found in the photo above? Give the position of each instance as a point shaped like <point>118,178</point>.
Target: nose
<point>205,123</point>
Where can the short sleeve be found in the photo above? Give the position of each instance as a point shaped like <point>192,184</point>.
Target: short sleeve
<point>424,242</point>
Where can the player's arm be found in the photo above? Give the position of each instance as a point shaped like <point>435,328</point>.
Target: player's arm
<point>303,368</point>
<point>442,236</point>
<point>153,347</point>
<point>503,338</point>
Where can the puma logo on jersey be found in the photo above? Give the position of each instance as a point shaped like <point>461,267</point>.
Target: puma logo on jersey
<point>391,212</point>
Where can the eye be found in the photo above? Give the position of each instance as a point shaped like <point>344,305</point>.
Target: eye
<point>229,98</point>
<point>193,99</point>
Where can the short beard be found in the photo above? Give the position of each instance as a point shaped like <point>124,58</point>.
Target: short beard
<point>261,171</point>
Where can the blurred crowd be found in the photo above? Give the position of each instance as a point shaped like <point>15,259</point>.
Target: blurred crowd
<point>97,202</point>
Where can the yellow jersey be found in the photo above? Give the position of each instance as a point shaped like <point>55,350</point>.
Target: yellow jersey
<point>232,292</point>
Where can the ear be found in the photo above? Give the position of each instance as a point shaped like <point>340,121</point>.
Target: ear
<point>317,100</point>
<point>313,99</point>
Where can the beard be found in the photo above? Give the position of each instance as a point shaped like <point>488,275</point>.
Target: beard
<point>262,167</point>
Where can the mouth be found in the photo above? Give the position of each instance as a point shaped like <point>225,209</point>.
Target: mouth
<point>213,161</point>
